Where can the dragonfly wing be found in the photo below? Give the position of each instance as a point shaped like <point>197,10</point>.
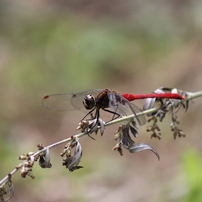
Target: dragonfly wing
<point>141,118</point>
<point>67,101</point>
<point>60,102</point>
<point>122,106</point>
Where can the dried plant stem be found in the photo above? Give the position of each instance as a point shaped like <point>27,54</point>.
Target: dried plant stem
<point>35,154</point>
<point>193,95</point>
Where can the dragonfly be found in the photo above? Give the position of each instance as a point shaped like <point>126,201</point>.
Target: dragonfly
<point>105,99</point>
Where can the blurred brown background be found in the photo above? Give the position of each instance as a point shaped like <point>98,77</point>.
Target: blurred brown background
<point>130,46</point>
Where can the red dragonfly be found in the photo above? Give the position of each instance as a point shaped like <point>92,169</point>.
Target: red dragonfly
<point>101,99</point>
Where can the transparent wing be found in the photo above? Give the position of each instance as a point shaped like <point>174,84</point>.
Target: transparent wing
<point>141,118</point>
<point>122,106</point>
<point>68,101</point>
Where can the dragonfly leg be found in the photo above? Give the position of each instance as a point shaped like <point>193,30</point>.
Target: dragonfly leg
<point>112,112</point>
<point>97,116</point>
<point>87,114</point>
<point>94,121</point>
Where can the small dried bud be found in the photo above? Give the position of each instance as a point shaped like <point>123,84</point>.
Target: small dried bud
<point>30,153</point>
<point>149,128</point>
<point>40,146</point>
<point>22,157</point>
<point>83,125</point>
<point>26,171</point>
<point>119,149</point>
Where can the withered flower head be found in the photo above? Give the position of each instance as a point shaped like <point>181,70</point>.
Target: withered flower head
<point>71,161</point>
<point>44,159</point>
<point>92,125</point>
<point>6,190</point>
<point>124,135</point>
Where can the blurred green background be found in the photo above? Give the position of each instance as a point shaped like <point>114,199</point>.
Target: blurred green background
<point>130,46</point>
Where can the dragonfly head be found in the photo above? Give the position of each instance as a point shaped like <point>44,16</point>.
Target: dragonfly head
<point>89,102</point>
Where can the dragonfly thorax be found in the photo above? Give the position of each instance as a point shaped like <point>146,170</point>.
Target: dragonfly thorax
<point>89,102</point>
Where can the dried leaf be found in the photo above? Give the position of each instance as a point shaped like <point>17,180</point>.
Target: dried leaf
<point>134,131</point>
<point>7,191</point>
<point>126,139</point>
<point>71,162</point>
<point>141,147</point>
<point>44,161</point>
<point>149,103</point>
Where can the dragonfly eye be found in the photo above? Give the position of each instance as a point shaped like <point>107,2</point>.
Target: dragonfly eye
<point>89,102</point>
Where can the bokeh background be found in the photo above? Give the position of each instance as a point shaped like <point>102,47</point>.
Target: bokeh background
<point>130,46</point>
